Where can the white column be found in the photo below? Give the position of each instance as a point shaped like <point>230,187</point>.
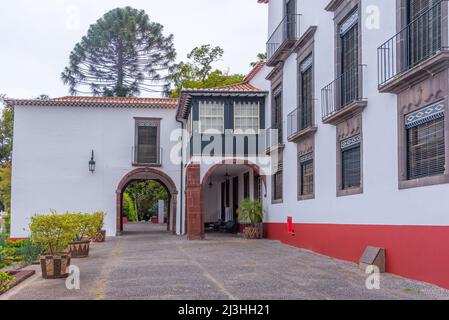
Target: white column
<point>161,211</point>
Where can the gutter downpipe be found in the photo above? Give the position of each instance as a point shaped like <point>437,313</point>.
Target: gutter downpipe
<point>182,179</point>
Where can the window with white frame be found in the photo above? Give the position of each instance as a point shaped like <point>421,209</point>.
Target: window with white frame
<point>246,117</point>
<point>211,117</point>
<point>190,125</point>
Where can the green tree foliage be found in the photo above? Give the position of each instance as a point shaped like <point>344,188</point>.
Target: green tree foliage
<point>198,72</point>
<point>260,57</point>
<point>123,54</point>
<point>145,196</point>
<point>6,134</point>
<point>128,207</point>
<point>5,186</point>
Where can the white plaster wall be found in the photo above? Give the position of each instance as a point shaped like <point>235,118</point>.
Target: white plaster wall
<point>52,147</point>
<point>382,203</point>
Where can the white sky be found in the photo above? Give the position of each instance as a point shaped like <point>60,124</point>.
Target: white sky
<point>36,37</point>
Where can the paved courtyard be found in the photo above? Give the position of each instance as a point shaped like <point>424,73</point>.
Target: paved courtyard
<point>148,263</point>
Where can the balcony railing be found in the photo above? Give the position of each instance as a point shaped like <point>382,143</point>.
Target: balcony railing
<point>299,120</point>
<point>343,91</point>
<point>287,30</point>
<point>417,42</point>
<point>146,156</point>
<point>273,137</point>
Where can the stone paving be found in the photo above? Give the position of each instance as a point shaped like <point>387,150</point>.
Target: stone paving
<point>148,263</point>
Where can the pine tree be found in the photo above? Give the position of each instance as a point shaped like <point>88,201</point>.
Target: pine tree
<point>122,55</point>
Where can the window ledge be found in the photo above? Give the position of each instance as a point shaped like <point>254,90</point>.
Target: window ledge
<point>147,164</point>
<point>305,198</point>
<point>282,53</point>
<point>278,201</point>
<point>349,192</point>
<point>298,136</point>
<point>418,73</point>
<point>424,182</point>
<point>347,112</point>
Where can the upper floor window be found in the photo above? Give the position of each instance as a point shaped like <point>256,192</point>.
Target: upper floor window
<point>425,142</point>
<point>276,113</point>
<point>211,115</point>
<point>349,58</point>
<point>306,93</point>
<point>147,150</point>
<point>246,118</point>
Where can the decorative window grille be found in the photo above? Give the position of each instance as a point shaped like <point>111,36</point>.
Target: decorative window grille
<point>211,117</point>
<point>425,142</point>
<point>246,117</point>
<point>307,175</point>
<point>351,163</point>
<point>278,179</point>
<point>276,114</point>
<point>349,42</point>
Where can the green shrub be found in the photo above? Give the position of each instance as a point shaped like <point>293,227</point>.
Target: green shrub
<point>98,218</point>
<point>128,207</point>
<point>29,252</point>
<point>6,281</point>
<point>53,232</point>
<point>250,211</point>
<point>85,225</point>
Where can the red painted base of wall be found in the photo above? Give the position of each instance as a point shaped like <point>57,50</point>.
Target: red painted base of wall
<point>416,252</point>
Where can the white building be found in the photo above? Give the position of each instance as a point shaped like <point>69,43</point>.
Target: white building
<point>343,136</point>
<point>360,90</point>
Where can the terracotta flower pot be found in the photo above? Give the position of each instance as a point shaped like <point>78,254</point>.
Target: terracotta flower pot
<point>155,220</point>
<point>101,236</point>
<point>79,249</point>
<point>55,266</point>
<point>125,220</point>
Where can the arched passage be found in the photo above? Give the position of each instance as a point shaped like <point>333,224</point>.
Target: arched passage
<point>196,189</point>
<point>141,174</point>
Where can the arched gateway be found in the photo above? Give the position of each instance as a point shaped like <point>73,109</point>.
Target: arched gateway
<point>141,174</point>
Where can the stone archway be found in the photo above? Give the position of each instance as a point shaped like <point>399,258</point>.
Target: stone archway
<point>148,174</point>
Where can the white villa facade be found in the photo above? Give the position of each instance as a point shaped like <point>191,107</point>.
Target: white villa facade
<point>343,135</point>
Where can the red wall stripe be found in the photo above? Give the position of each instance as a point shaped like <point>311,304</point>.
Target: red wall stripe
<point>416,252</point>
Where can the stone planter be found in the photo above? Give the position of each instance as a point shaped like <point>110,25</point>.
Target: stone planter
<point>55,266</point>
<point>252,232</point>
<point>101,236</point>
<point>79,249</point>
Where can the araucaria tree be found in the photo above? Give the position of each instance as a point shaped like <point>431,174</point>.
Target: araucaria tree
<point>122,55</point>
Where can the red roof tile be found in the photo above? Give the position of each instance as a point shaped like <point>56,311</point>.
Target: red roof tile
<point>77,101</point>
<point>255,71</point>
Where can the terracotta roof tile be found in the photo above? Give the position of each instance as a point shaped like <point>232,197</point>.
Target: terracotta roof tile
<point>255,70</point>
<point>238,87</point>
<point>78,101</point>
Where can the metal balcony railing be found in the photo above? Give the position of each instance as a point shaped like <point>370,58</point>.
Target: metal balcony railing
<point>274,136</point>
<point>343,91</point>
<point>144,155</point>
<point>288,29</point>
<point>417,42</point>
<point>299,120</point>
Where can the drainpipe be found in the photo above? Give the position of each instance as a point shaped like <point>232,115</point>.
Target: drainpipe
<point>182,178</point>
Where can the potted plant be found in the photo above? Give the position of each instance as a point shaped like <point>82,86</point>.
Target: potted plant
<point>53,232</point>
<point>99,223</point>
<point>250,211</point>
<point>85,230</point>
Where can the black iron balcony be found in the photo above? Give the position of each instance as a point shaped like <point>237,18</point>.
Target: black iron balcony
<point>283,39</point>
<point>342,96</point>
<point>274,138</point>
<point>300,122</point>
<point>413,46</point>
<point>146,155</point>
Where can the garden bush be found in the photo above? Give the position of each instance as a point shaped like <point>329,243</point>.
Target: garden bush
<point>53,232</point>
<point>5,281</point>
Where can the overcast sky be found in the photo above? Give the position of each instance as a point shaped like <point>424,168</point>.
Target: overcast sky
<point>38,36</point>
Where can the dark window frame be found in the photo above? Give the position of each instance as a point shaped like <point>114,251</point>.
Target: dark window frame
<point>155,122</point>
<point>277,185</point>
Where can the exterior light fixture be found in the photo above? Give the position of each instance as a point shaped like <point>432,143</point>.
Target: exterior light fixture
<point>92,163</point>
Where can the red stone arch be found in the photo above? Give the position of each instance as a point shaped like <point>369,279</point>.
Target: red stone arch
<point>148,174</point>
